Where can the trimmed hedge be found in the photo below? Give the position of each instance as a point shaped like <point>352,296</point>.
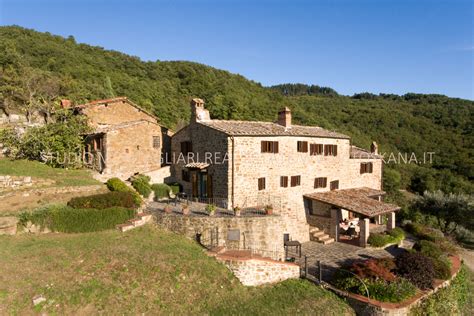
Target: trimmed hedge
<point>161,190</point>
<point>117,185</point>
<point>66,219</point>
<point>141,183</point>
<point>105,200</point>
<point>396,235</point>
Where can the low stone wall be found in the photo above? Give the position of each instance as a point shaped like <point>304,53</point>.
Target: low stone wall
<point>253,271</point>
<point>9,182</point>
<point>262,234</point>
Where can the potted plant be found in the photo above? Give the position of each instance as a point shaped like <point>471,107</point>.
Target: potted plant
<point>211,209</point>
<point>185,209</point>
<point>168,209</point>
<point>269,209</point>
<point>237,211</point>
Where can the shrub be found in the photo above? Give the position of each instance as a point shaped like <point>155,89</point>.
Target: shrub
<point>175,187</point>
<point>394,292</point>
<point>416,268</point>
<point>423,232</point>
<point>115,184</point>
<point>397,233</point>
<point>161,190</point>
<point>382,239</point>
<point>211,209</point>
<point>441,263</point>
<point>141,183</point>
<point>374,269</point>
<point>105,200</point>
<point>70,220</point>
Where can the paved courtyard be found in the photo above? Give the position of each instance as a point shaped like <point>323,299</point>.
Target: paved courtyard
<point>336,255</point>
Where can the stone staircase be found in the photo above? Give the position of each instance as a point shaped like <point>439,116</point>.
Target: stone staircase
<point>315,234</point>
<point>139,220</point>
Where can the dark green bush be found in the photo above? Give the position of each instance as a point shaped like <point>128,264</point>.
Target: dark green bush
<point>175,187</point>
<point>141,183</point>
<point>423,232</point>
<point>161,190</point>
<point>105,200</point>
<point>70,220</point>
<point>416,268</point>
<point>441,263</point>
<point>117,185</point>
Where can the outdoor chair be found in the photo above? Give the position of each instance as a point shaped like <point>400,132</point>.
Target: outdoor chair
<point>287,242</point>
<point>351,232</point>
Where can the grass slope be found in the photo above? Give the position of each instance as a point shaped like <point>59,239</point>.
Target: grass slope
<point>147,270</point>
<point>62,177</point>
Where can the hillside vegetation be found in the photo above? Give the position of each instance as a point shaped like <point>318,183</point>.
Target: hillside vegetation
<point>409,123</point>
<point>146,271</point>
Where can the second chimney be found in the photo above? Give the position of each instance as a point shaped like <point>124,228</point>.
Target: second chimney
<point>374,148</point>
<point>284,117</point>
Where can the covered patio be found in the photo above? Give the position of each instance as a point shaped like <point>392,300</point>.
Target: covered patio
<point>357,211</point>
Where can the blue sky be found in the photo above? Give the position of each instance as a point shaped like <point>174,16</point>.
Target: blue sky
<point>391,46</point>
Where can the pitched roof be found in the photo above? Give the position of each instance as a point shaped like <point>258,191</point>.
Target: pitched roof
<point>114,127</point>
<point>113,100</point>
<point>255,128</point>
<point>360,153</point>
<point>357,200</point>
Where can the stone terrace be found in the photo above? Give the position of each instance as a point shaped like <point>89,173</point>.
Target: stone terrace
<point>336,255</point>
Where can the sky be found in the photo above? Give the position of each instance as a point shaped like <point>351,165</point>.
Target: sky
<point>378,46</point>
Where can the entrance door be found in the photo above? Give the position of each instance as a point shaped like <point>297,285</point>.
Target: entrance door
<point>202,184</point>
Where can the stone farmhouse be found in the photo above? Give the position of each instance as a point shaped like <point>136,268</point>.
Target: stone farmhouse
<point>126,139</point>
<point>312,177</point>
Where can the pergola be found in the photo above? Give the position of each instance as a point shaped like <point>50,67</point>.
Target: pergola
<point>364,201</point>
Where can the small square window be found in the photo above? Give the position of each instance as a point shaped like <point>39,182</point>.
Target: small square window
<point>156,141</point>
<point>261,184</point>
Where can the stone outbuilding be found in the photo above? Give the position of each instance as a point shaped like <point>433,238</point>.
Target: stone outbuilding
<point>126,139</point>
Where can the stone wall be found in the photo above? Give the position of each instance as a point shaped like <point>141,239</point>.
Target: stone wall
<point>203,139</point>
<point>262,234</point>
<point>130,150</point>
<point>259,271</point>
<point>112,113</point>
<point>11,182</point>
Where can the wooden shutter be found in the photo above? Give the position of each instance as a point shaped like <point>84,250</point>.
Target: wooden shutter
<point>275,147</point>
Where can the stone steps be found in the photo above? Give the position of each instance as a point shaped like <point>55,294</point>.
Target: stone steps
<point>139,220</point>
<point>320,236</point>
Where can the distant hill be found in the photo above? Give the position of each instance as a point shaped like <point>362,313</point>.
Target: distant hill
<point>410,123</point>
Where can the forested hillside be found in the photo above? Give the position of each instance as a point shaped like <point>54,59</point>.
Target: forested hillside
<point>409,123</point>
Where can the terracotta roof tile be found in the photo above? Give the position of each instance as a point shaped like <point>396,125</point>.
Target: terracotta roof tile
<point>360,153</point>
<point>255,128</point>
<point>356,200</point>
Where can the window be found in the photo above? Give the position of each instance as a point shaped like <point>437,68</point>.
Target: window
<point>330,150</point>
<point>269,147</point>
<point>186,147</point>
<point>261,184</point>
<point>320,182</point>
<point>334,185</point>
<point>284,181</point>
<point>366,167</point>
<point>315,149</point>
<point>185,175</point>
<point>156,141</point>
<point>295,181</point>
<point>302,147</point>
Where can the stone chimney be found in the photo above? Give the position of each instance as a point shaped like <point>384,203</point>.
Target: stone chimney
<point>284,117</point>
<point>65,103</point>
<point>374,148</point>
<point>198,112</point>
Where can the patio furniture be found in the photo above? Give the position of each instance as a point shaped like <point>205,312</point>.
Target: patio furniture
<point>351,232</point>
<point>287,242</point>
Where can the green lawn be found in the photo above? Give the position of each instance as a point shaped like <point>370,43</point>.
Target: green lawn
<point>63,177</point>
<point>147,270</point>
